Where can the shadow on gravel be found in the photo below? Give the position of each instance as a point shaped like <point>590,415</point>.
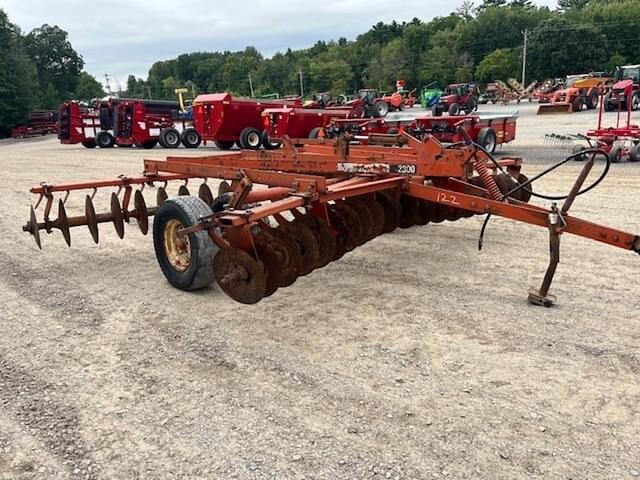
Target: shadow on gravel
<point>35,405</point>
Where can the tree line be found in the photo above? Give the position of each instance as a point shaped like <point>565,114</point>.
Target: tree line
<point>480,43</point>
<point>38,71</point>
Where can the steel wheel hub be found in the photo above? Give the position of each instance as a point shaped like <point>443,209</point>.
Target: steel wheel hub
<point>177,249</point>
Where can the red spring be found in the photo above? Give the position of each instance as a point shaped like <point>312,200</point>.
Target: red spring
<point>487,179</point>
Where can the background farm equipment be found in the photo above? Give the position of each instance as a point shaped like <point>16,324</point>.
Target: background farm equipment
<point>580,91</point>
<point>39,122</point>
<point>497,91</point>
<point>544,92</point>
<point>296,123</point>
<point>226,120</point>
<point>324,199</point>
<point>430,95</point>
<point>618,142</point>
<point>456,98</point>
<point>368,103</point>
<point>488,131</point>
<point>625,92</point>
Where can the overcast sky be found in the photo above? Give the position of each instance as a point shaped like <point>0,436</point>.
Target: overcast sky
<point>122,37</point>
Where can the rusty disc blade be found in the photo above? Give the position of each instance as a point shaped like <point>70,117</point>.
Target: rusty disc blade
<point>352,222</point>
<point>224,187</point>
<point>392,210</point>
<point>424,212</point>
<point>263,244</point>
<point>183,191</point>
<point>290,255</point>
<point>239,275</point>
<point>204,192</point>
<point>366,222</point>
<point>453,213</point>
<point>33,227</point>
<point>161,196</point>
<point>307,242</point>
<point>142,214</point>
<point>377,214</point>
<point>326,241</point>
<point>439,213</point>
<point>344,237</point>
<point>116,215</point>
<point>410,212</point>
<point>63,223</point>
<point>92,221</point>
<point>522,194</point>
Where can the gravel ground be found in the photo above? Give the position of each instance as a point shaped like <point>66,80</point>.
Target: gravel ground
<point>413,357</point>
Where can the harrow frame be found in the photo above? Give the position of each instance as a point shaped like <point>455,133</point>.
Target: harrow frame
<point>408,180</point>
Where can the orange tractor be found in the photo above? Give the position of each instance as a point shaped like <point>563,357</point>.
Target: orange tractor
<point>580,92</point>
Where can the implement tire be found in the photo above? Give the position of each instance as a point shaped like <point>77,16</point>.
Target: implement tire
<point>186,263</point>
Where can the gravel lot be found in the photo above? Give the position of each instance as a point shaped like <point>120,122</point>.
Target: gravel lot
<point>413,357</point>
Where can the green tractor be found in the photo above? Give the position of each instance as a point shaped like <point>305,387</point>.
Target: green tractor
<point>431,93</point>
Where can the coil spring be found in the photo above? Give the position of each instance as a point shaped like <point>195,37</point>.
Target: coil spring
<point>489,183</point>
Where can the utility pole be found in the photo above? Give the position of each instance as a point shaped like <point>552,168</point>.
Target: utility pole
<point>301,86</point>
<point>251,86</point>
<point>524,58</point>
<point>149,90</point>
<point>107,84</point>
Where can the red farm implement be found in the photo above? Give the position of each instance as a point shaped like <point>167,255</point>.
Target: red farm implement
<point>323,199</point>
<point>488,131</point>
<point>297,122</point>
<point>618,141</point>
<point>123,122</point>
<point>39,122</point>
<point>226,120</point>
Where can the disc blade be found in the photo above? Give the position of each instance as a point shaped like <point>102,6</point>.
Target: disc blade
<point>183,191</point>
<point>239,275</point>
<point>392,210</point>
<point>63,223</point>
<point>290,255</point>
<point>92,221</point>
<point>224,187</point>
<point>33,227</point>
<point>307,242</point>
<point>204,192</point>
<point>116,215</point>
<point>326,241</point>
<point>161,196</point>
<point>142,214</point>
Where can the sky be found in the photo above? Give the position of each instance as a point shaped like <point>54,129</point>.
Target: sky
<point>122,37</point>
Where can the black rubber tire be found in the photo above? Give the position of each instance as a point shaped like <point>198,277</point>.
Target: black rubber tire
<point>89,144</point>
<point>170,138</point>
<point>592,101</point>
<point>224,144</point>
<point>436,110</point>
<point>577,104</point>
<point>635,102</point>
<point>608,106</point>
<point>454,109</point>
<point>471,106</point>
<point>634,153</point>
<point>250,138</point>
<point>104,139</point>
<point>315,132</point>
<point>380,108</point>
<point>487,139</point>
<point>577,149</point>
<point>615,154</point>
<point>187,210</point>
<point>190,138</point>
<point>393,131</point>
<point>267,143</point>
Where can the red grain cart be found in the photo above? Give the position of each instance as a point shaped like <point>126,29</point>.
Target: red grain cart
<point>488,131</point>
<point>297,122</point>
<point>225,120</point>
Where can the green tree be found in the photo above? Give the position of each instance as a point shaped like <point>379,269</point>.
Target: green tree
<point>560,47</point>
<point>88,88</point>
<point>58,64</point>
<point>17,76</point>
<point>500,64</point>
<point>572,4</point>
